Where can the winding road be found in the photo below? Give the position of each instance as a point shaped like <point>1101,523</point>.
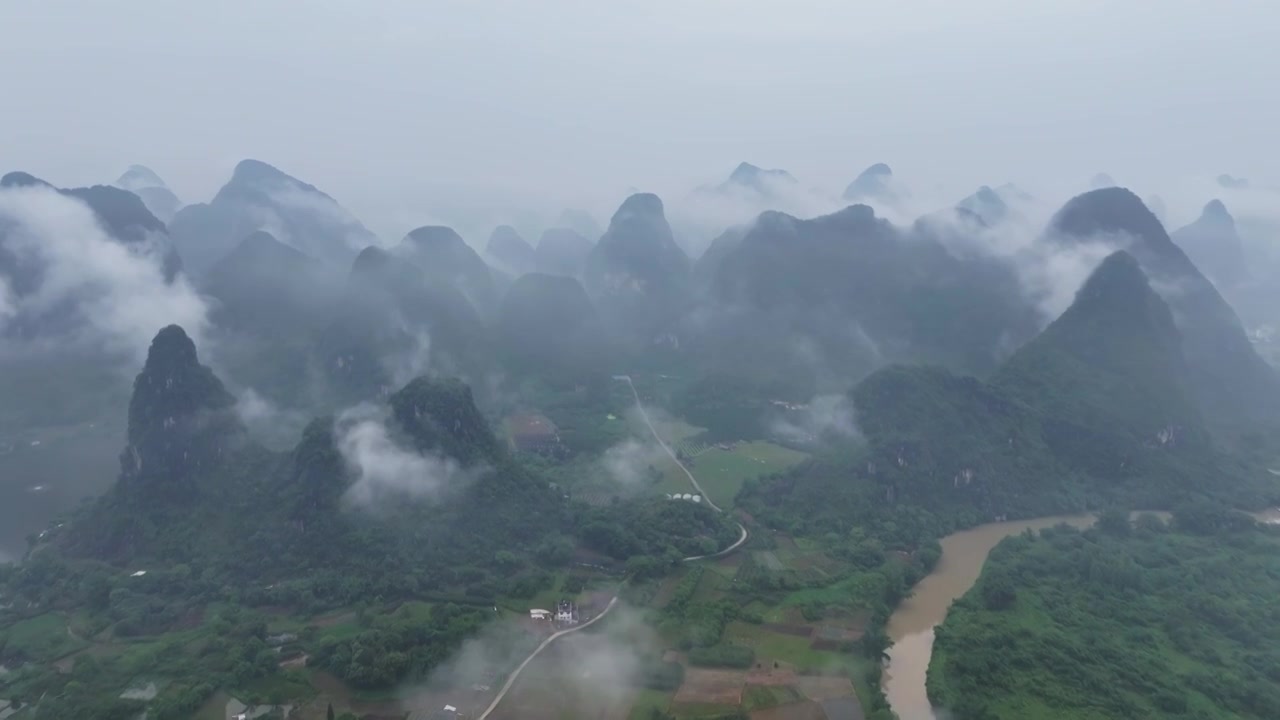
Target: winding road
<point>515,674</point>
<point>645,416</point>
<point>692,480</point>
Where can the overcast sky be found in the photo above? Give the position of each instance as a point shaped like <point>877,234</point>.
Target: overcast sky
<point>407,105</point>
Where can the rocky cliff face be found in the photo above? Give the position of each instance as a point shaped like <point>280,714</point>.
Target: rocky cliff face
<point>181,420</point>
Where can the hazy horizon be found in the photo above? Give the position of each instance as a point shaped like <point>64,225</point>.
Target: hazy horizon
<point>406,111</point>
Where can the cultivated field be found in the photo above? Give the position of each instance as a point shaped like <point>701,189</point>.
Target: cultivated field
<point>722,472</point>
<point>703,686</point>
<point>803,710</point>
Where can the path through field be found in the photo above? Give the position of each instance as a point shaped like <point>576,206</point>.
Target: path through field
<point>511,680</point>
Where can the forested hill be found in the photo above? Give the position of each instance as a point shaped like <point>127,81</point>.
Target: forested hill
<point>414,495</point>
<point>1097,405</point>
<point>1237,391</point>
<point>195,489</point>
<point>1097,408</point>
<point>1110,380</point>
<point>1145,621</point>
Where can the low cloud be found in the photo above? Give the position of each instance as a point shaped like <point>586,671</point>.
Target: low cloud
<point>387,472</point>
<point>275,426</point>
<point>825,417</point>
<point>412,361</point>
<point>1048,272</point>
<point>701,216</point>
<point>109,293</point>
<point>628,463</point>
<point>594,672</point>
<point>291,198</point>
<point>8,303</point>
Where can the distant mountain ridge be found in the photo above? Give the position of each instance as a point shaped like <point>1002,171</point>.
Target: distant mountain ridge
<point>447,260</point>
<point>874,183</point>
<point>637,273</point>
<point>760,181</point>
<point>1099,404</point>
<point>510,252</point>
<point>846,293</point>
<point>1213,243</point>
<point>147,185</point>
<point>392,320</point>
<point>1234,387</point>
<point>122,216</point>
<point>261,197</point>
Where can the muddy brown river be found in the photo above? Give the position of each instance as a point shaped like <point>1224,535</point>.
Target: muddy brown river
<point>911,625</point>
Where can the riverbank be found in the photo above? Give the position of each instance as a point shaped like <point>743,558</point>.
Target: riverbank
<point>911,626</point>
<point>1154,619</point>
<point>912,623</point>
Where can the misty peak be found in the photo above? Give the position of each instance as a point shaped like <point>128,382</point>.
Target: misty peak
<point>637,272</point>
<point>19,179</point>
<point>505,240</point>
<point>510,251</point>
<point>447,260</point>
<point>1108,210</point>
<point>640,204</point>
<point>440,415</point>
<point>1114,280</point>
<point>870,183</point>
<point>1216,211</point>
<point>1112,363</point>
<point>986,195</point>
<point>171,348</point>
<point>1010,192</point>
<point>985,205</point>
<point>505,234</point>
<point>138,177</point>
<point>855,215</point>
<point>434,236</point>
<point>370,260</point>
<point>752,176</point>
<point>1215,247</point>
<point>259,180</point>
<point>775,221</point>
<point>172,386</point>
<point>180,418</point>
<point>259,196</point>
<point>1101,180</point>
<point>256,171</point>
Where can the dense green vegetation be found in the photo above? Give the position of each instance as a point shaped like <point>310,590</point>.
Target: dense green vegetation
<point>1094,410</point>
<point>1119,621</point>
<point>378,568</point>
<point>163,573</point>
<point>653,534</point>
<point>399,645</point>
<point>734,407</point>
<point>728,656</point>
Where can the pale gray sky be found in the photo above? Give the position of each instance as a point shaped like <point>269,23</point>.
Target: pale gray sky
<point>396,107</point>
